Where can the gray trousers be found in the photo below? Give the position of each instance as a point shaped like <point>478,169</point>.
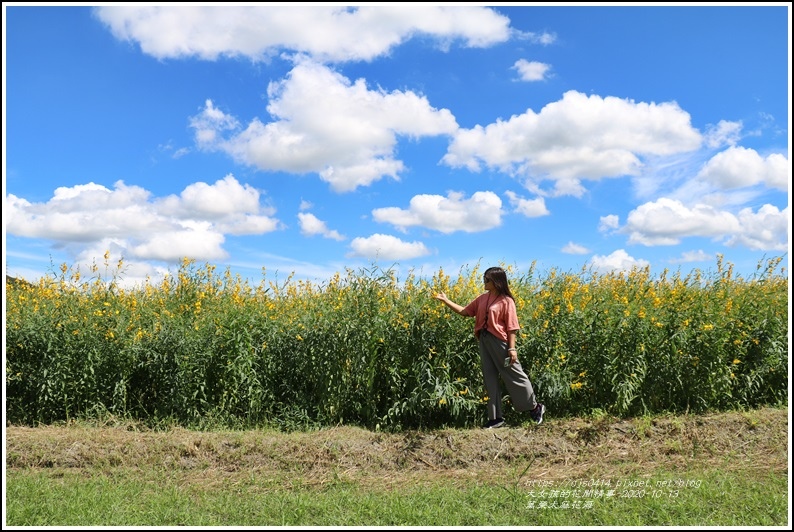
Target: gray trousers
<point>493,351</point>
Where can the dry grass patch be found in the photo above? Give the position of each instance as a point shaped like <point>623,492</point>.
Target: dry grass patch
<point>558,449</point>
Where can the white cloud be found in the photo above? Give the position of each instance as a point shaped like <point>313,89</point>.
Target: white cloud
<point>84,213</point>
<point>386,247</point>
<point>667,222</point>
<point>198,241</point>
<point>572,248</point>
<point>210,123</point>
<point>192,224</point>
<point>578,137</point>
<point>531,70</point>
<point>608,223</point>
<point>326,124</point>
<point>454,213</point>
<point>225,197</point>
<point>92,192</point>
<point>328,33</point>
<point>311,225</point>
<point>617,261</point>
<point>529,208</point>
<point>724,133</point>
<point>739,167</point>
<point>246,224</point>
<point>544,38</point>
<point>766,229</point>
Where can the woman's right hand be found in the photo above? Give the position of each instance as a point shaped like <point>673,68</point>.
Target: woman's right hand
<point>441,296</point>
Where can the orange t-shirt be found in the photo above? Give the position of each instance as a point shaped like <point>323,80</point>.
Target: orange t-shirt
<point>501,312</point>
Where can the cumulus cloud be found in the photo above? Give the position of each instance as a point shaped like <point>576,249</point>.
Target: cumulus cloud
<point>327,33</point>
<point>766,229</point>
<point>667,222</point>
<point>386,247</point>
<point>608,223</point>
<point>191,224</point>
<point>223,198</point>
<point>576,138</point>
<point>328,125</point>
<point>617,261</point>
<point>531,70</point>
<point>481,212</point>
<point>739,167</point>
<point>195,241</point>
<point>311,225</point>
<point>530,208</point>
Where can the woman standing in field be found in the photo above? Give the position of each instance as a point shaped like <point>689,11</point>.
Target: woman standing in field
<point>495,327</point>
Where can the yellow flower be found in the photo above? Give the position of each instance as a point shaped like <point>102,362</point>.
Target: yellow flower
<point>736,361</point>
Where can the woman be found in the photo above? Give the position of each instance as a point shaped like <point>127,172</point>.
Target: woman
<point>495,327</point>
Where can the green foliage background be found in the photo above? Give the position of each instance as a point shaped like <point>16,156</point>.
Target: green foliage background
<point>205,350</point>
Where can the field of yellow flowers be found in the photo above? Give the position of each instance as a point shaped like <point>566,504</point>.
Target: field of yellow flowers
<point>202,349</point>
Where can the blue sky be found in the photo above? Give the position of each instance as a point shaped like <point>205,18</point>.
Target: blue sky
<point>311,139</point>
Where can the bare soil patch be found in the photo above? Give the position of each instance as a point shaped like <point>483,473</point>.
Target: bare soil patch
<point>755,442</point>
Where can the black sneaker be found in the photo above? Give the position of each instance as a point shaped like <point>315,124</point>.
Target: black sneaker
<point>494,423</point>
<point>537,413</point>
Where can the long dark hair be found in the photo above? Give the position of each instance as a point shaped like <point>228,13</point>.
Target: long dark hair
<point>499,279</point>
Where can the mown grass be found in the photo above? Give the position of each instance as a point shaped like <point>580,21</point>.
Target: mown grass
<point>726,469</point>
<point>137,498</point>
